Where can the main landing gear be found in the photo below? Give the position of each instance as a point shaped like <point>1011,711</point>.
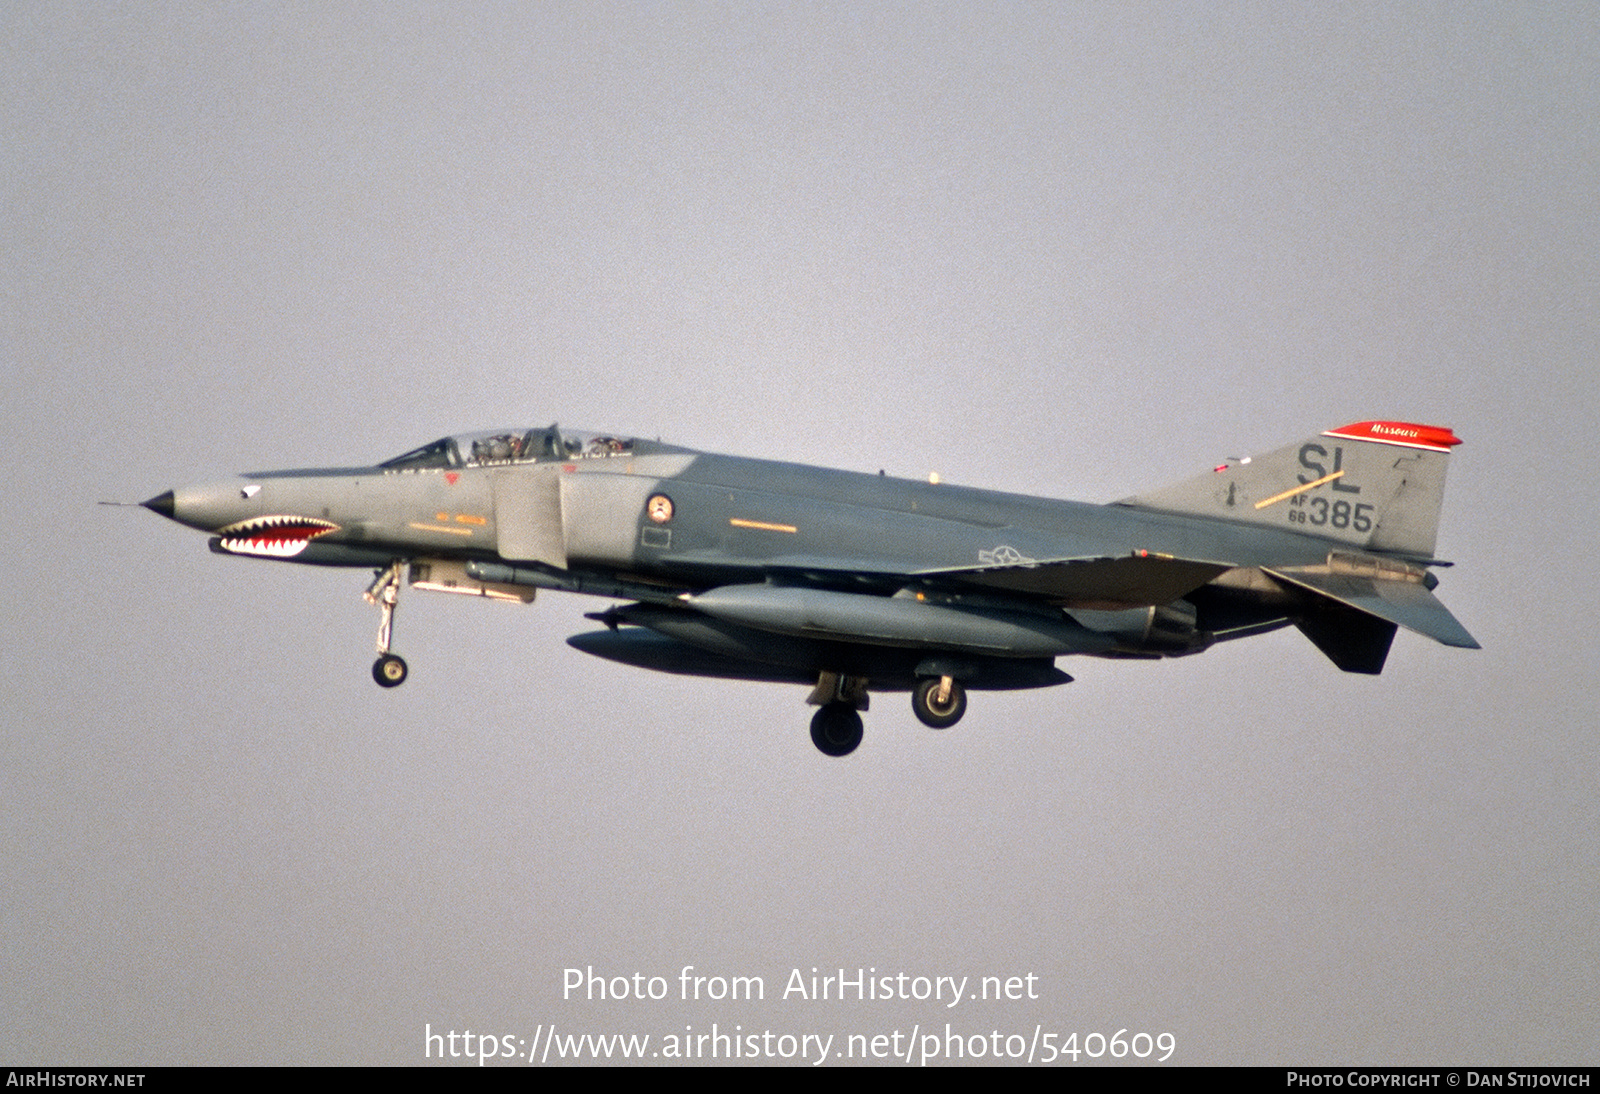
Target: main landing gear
<point>389,670</point>
<point>836,726</point>
<point>836,729</point>
<point>939,701</point>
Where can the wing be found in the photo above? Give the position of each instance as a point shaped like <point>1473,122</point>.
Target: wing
<point>1131,581</point>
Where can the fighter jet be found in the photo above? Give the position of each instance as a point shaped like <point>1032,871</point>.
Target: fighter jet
<point>852,583</point>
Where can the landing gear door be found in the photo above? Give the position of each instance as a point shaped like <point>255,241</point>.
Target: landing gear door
<point>527,515</point>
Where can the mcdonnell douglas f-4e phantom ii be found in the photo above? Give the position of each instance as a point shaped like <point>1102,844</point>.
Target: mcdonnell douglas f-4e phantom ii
<point>753,570</point>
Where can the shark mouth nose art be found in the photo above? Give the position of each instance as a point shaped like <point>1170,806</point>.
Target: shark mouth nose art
<point>274,536</point>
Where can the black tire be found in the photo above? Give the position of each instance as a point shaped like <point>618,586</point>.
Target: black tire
<point>836,729</point>
<point>931,713</point>
<point>389,670</point>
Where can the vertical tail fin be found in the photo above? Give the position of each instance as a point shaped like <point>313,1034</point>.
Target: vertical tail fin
<point>1371,485</point>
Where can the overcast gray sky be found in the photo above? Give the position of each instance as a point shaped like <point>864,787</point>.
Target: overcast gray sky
<point>1075,249</point>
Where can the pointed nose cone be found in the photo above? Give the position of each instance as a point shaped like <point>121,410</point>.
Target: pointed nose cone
<point>208,506</point>
<point>165,504</point>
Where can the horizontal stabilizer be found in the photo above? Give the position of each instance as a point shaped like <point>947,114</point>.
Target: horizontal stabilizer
<point>1396,600</point>
<point>1135,581</point>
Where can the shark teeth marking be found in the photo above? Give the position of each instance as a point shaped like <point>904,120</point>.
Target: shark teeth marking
<point>274,536</point>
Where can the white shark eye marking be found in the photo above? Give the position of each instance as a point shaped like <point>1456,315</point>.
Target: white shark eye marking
<point>274,536</point>
<point>250,491</point>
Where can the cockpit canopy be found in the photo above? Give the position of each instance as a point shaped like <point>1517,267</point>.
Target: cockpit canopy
<point>492,447</point>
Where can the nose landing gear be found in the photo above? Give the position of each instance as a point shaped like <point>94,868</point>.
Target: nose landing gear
<point>389,670</point>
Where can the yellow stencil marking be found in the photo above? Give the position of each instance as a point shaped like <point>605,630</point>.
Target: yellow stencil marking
<point>740,522</point>
<point>1301,489</point>
<point>468,518</point>
<point>440,528</point>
